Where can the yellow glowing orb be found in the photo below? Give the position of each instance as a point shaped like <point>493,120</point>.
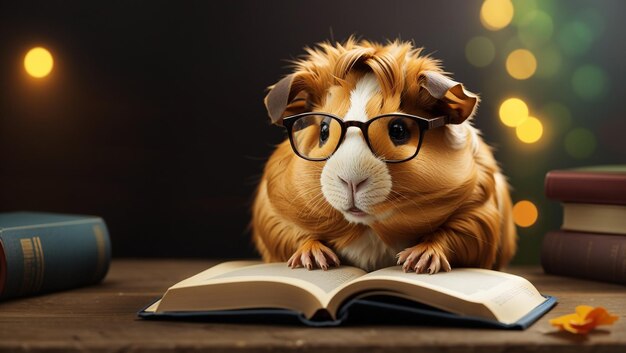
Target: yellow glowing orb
<point>38,62</point>
<point>521,64</point>
<point>496,14</point>
<point>525,213</point>
<point>530,130</point>
<point>513,112</point>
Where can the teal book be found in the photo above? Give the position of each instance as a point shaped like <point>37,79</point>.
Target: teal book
<point>48,252</point>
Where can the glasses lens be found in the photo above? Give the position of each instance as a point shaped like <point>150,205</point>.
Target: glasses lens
<point>394,138</point>
<point>316,136</point>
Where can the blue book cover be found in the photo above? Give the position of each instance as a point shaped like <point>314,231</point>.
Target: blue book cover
<point>46,252</point>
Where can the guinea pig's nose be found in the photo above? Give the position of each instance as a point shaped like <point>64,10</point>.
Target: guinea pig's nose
<point>353,186</point>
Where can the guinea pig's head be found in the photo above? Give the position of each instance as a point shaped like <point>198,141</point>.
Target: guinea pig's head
<point>350,109</point>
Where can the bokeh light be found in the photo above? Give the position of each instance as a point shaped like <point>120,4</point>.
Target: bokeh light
<point>575,38</point>
<point>521,9</point>
<point>513,112</point>
<point>558,114</point>
<point>552,7</point>
<point>480,51</point>
<point>549,62</point>
<point>496,14</point>
<point>535,29</point>
<point>530,130</point>
<point>589,82</point>
<point>525,213</point>
<point>38,62</point>
<point>595,22</point>
<point>521,64</point>
<point>555,95</point>
<point>580,143</point>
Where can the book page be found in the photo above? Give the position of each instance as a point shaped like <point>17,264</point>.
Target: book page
<point>214,271</point>
<point>465,291</point>
<point>316,281</point>
<point>461,282</point>
<point>257,285</point>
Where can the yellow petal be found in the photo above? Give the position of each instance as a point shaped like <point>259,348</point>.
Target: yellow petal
<point>583,310</point>
<point>582,327</point>
<point>601,317</point>
<point>561,320</point>
<point>585,319</point>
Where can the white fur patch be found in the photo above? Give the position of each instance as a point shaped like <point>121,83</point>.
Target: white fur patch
<point>456,136</point>
<point>361,94</point>
<point>500,188</point>
<point>354,163</point>
<point>475,136</point>
<point>369,252</point>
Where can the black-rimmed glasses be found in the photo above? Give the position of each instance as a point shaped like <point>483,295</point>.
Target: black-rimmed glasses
<point>392,137</point>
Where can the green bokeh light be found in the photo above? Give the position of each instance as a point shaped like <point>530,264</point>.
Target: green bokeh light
<point>590,82</point>
<point>575,38</point>
<point>549,62</point>
<point>535,29</point>
<point>480,51</point>
<point>549,6</point>
<point>558,114</point>
<point>594,20</point>
<point>580,143</point>
<point>522,8</point>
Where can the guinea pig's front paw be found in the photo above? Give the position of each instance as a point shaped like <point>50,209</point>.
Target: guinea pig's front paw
<point>313,252</point>
<point>423,258</point>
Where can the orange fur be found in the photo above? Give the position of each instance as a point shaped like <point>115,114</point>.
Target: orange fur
<point>451,201</point>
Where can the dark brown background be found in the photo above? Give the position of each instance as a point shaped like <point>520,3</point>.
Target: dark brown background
<point>153,115</point>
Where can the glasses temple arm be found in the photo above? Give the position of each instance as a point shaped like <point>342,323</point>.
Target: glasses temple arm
<point>438,121</point>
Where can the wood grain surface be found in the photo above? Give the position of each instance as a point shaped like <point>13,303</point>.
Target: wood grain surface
<point>102,318</point>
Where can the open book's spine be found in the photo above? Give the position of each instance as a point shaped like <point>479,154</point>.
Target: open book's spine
<point>39,259</point>
<point>592,256</point>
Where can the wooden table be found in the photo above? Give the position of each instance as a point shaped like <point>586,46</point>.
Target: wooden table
<point>103,318</point>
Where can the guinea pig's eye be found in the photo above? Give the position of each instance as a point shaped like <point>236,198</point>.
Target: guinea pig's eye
<point>398,132</point>
<point>324,132</point>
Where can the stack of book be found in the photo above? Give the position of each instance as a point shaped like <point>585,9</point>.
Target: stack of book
<point>591,243</point>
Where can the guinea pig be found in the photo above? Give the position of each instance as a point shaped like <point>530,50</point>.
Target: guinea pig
<point>381,166</point>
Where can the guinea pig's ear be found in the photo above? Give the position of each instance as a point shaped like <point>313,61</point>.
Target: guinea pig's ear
<point>452,99</point>
<point>286,98</point>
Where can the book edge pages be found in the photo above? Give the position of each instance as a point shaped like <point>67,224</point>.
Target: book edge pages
<point>608,218</point>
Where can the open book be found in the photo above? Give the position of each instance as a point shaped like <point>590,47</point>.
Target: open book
<point>326,297</point>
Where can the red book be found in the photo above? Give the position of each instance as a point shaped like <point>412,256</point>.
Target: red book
<point>596,185</point>
<point>593,256</point>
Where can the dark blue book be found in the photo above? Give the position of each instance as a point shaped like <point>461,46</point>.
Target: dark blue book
<point>249,291</point>
<point>47,252</point>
